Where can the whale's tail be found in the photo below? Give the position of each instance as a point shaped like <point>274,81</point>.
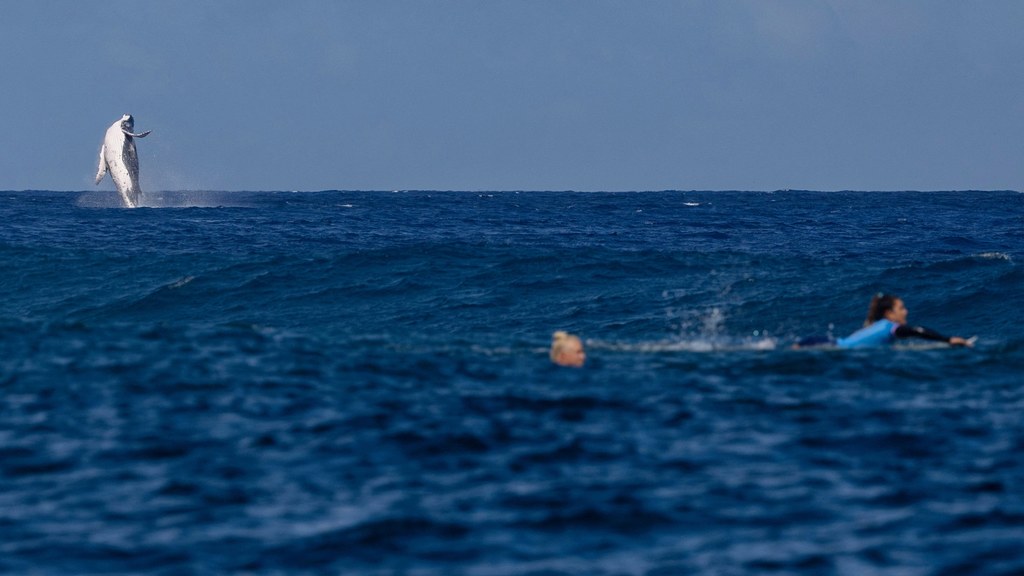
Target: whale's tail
<point>102,170</point>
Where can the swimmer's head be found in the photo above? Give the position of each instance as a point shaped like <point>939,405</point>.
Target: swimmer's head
<point>887,306</point>
<point>567,350</point>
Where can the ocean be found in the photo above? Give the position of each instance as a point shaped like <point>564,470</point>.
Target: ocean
<point>358,383</point>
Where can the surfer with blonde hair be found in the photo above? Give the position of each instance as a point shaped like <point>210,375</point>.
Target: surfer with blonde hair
<point>567,349</point>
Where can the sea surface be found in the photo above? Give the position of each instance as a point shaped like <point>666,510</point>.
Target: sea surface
<point>358,383</point>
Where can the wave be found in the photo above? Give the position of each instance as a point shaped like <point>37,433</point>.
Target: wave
<point>173,199</point>
<point>693,345</point>
<point>994,256</point>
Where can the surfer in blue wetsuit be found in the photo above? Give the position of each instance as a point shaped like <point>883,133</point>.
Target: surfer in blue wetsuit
<point>886,323</point>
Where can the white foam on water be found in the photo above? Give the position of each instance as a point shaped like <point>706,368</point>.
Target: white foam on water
<point>170,199</point>
<point>994,256</point>
<point>686,345</point>
<point>191,199</point>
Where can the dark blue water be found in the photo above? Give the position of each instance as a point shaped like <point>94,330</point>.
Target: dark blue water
<point>358,383</point>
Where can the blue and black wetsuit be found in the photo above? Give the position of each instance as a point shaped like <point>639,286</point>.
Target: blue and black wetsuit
<point>880,333</point>
<point>884,332</point>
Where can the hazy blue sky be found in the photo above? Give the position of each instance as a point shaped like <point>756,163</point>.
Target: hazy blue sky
<point>518,95</point>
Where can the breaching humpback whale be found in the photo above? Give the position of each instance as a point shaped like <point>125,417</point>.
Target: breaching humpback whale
<point>119,156</point>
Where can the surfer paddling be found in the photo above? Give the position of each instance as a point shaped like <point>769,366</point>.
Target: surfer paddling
<point>886,323</point>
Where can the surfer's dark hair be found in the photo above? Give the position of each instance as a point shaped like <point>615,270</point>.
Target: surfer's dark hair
<point>880,304</point>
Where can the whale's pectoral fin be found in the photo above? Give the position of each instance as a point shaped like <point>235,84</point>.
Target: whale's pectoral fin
<point>142,135</point>
<point>102,170</point>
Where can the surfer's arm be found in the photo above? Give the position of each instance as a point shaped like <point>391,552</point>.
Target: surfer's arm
<point>102,170</point>
<point>904,331</point>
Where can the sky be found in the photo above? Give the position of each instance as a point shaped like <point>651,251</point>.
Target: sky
<point>518,94</point>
